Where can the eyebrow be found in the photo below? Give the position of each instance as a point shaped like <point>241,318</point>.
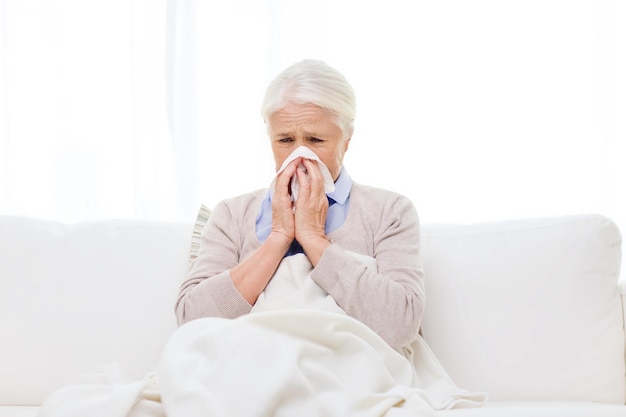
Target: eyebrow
<point>306,134</point>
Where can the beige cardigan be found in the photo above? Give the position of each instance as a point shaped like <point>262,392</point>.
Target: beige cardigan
<point>380,223</point>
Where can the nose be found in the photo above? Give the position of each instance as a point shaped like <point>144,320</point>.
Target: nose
<point>304,144</point>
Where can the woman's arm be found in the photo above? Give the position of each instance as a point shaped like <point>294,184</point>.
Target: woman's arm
<point>252,275</point>
<point>209,290</point>
<point>220,283</point>
<point>389,300</point>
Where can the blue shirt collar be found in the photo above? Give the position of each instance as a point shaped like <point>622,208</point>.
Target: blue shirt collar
<point>343,185</point>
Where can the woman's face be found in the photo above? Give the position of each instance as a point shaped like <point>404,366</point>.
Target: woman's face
<point>311,126</point>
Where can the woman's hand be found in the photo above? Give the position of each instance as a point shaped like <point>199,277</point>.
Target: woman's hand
<point>252,274</point>
<point>283,223</point>
<point>311,210</point>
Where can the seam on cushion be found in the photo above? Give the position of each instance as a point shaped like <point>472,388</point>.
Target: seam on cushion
<point>466,229</point>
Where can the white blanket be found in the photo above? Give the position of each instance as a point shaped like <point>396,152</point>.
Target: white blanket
<point>297,354</point>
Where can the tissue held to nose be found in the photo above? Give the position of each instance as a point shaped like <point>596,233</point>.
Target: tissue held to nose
<point>304,152</point>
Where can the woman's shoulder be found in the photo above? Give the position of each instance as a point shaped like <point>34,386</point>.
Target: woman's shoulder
<point>379,202</point>
<point>242,203</point>
<point>382,208</point>
<point>375,194</point>
<point>246,197</point>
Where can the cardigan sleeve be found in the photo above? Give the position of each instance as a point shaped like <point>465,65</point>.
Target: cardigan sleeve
<point>209,290</point>
<point>390,300</point>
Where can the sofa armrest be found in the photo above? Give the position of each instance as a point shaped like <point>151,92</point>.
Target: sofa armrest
<point>622,289</point>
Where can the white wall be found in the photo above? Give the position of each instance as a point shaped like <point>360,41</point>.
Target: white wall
<point>478,110</point>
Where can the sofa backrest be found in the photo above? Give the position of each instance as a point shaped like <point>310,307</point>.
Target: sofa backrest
<point>527,309</point>
<point>75,298</point>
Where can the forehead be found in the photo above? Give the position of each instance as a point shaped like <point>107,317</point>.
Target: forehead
<point>302,116</point>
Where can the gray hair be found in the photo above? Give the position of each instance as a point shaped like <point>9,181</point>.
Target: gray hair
<point>312,82</point>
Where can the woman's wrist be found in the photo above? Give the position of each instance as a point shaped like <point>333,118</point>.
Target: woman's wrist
<point>314,248</point>
<point>279,240</point>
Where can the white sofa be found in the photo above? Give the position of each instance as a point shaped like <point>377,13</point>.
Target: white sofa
<point>528,311</point>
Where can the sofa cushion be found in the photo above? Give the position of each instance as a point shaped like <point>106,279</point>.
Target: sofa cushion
<point>527,309</point>
<point>74,298</point>
<point>493,409</point>
<point>19,411</point>
<point>540,409</point>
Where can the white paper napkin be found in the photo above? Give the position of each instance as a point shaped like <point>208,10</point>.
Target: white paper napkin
<point>303,151</point>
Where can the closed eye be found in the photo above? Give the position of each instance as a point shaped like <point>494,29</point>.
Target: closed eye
<point>316,140</point>
<point>285,140</point>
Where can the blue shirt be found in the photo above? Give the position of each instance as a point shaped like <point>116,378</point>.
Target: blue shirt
<point>338,202</point>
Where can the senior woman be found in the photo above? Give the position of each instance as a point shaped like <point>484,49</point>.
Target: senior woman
<point>310,104</point>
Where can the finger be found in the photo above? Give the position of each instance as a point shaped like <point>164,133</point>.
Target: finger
<point>283,179</point>
<point>303,181</point>
<point>315,177</point>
